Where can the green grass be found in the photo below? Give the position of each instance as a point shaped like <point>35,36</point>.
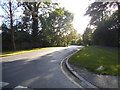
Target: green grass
<point>93,57</point>
<point>3,54</point>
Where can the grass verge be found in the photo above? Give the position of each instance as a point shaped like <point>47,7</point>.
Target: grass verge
<point>93,57</point>
<point>8,53</point>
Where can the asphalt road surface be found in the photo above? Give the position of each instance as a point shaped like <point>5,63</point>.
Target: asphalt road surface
<point>38,69</point>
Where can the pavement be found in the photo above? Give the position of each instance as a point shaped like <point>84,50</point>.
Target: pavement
<point>91,80</point>
<point>38,69</point>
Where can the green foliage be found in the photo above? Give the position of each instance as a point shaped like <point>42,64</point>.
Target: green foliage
<point>6,37</point>
<point>106,24</point>
<point>42,24</point>
<point>57,27</point>
<point>87,37</point>
<point>96,11</point>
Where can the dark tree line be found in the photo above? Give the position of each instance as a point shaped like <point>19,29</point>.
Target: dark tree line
<point>40,24</point>
<point>105,17</point>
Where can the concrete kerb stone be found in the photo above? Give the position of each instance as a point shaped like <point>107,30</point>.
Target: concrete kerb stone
<point>85,83</point>
<point>61,63</point>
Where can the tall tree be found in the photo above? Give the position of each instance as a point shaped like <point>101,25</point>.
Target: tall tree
<point>87,36</point>
<point>35,10</point>
<point>59,25</point>
<point>105,20</point>
<point>10,8</point>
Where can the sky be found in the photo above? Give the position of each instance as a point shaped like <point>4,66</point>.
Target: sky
<point>78,8</point>
<point>1,13</point>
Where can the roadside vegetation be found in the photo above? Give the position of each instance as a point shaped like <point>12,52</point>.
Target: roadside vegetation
<point>102,30</point>
<point>37,25</point>
<point>8,53</point>
<point>97,60</point>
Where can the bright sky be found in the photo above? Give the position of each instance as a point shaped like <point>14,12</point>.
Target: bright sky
<point>78,8</point>
<point>1,13</point>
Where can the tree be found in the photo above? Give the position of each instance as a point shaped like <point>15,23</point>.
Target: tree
<point>42,24</point>
<point>32,12</point>
<point>98,11</point>
<point>87,36</point>
<point>105,21</point>
<point>6,37</point>
<point>59,26</point>
<point>107,32</point>
<point>10,8</point>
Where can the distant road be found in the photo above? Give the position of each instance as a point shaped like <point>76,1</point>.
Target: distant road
<point>38,69</point>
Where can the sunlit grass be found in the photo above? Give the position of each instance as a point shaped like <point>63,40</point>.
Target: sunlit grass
<point>22,51</point>
<point>93,57</point>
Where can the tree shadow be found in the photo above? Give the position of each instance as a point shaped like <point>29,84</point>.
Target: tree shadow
<point>36,72</point>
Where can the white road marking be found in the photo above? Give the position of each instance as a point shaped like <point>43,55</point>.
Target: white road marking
<point>20,87</point>
<point>2,84</point>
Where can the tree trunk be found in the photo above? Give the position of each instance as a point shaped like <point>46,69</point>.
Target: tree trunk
<point>11,26</point>
<point>118,3</point>
<point>35,26</point>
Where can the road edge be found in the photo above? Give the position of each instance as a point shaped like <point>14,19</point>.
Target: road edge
<point>86,84</point>
<point>25,51</point>
<point>61,63</point>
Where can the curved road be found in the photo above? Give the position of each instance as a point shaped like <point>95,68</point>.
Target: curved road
<point>38,69</point>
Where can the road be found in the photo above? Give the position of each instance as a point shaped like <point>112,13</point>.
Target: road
<point>38,69</point>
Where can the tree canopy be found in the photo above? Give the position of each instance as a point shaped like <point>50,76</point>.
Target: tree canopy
<point>105,19</point>
<point>42,24</point>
